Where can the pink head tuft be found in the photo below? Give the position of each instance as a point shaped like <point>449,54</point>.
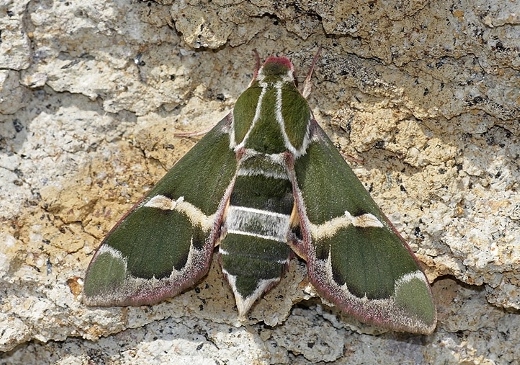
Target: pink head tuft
<point>277,66</point>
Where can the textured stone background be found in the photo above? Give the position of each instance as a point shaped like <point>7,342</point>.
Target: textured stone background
<point>423,97</point>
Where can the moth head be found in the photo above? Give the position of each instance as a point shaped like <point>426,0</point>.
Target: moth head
<point>276,69</point>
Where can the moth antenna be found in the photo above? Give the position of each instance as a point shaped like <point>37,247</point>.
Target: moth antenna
<point>257,64</point>
<point>307,84</point>
<point>192,134</point>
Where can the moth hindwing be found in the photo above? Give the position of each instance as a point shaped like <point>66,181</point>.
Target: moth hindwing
<point>264,182</point>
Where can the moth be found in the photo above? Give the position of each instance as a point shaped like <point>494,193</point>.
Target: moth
<point>264,183</point>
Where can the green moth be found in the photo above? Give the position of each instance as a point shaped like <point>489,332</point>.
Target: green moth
<point>265,182</point>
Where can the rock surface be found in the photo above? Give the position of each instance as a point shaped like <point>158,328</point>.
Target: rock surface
<point>423,97</point>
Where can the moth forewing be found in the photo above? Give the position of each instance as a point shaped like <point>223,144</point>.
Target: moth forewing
<point>354,258</point>
<point>165,243</point>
